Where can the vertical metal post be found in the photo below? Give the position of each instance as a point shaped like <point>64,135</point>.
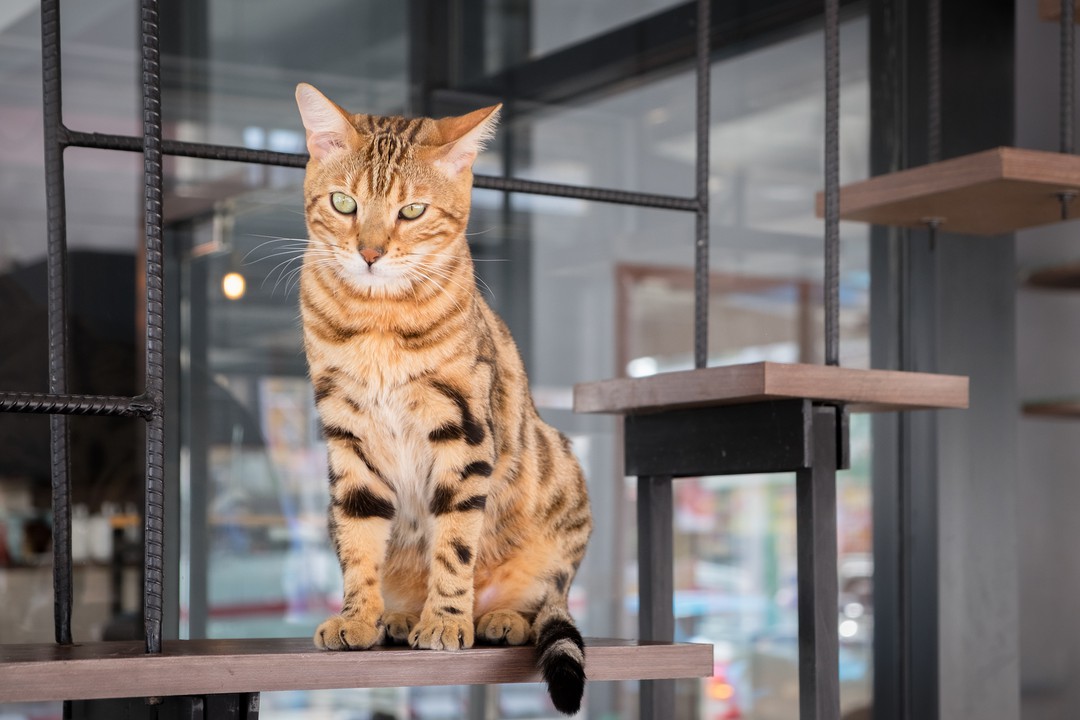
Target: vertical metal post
<point>155,362</point>
<point>815,509</point>
<point>832,182</point>
<point>933,85</point>
<point>57,308</point>
<point>701,245</point>
<point>656,584</point>
<point>1068,72</point>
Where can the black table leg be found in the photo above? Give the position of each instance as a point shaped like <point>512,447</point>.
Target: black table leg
<point>656,584</point>
<point>819,682</point>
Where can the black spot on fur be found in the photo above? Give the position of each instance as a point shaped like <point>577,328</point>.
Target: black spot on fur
<point>463,552</point>
<point>565,676</point>
<point>446,564</point>
<point>451,610</point>
<point>335,432</point>
<point>560,579</point>
<point>480,467</point>
<point>476,502</point>
<point>446,433</point>
<point>335,476</point>
<point>472,430</point>
<point>442,501</point>
<point>323,387</point>
<point>360,503</point>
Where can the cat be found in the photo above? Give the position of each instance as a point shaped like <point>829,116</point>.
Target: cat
<point>457,514</point>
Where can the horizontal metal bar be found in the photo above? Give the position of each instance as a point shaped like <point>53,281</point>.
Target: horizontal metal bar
<point>204,151</point>
<point>65,404</point>
<point>101,141</point>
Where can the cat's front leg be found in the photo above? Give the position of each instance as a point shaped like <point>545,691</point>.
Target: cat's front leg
<point>361,510</point>
<point>457,513</point>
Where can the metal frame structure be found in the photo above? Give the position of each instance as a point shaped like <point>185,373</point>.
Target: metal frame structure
<point>820,431</point>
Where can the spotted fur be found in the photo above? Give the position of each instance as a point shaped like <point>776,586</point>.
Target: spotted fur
<point>458,515</point>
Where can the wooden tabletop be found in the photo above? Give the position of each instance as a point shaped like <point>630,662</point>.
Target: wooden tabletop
<point>986,193</point>
<point>860,390</point>
<point>30,673</point>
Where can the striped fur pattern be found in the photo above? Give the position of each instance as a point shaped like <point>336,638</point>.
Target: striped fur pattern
<point>457,514</point>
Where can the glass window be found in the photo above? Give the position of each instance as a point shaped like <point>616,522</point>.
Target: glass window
<point>589,290</point>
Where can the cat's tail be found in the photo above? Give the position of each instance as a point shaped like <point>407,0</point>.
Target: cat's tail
<point>561,653</point>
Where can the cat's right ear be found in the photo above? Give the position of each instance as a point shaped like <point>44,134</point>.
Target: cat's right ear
<point>328,126</point>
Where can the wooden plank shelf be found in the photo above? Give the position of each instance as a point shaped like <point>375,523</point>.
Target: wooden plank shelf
<point>1058,277</point>
<point>88,671</point>
<point>860,390</point>
<point>1067,409</point>
<point>1050,10</point>
<point>987,193</point>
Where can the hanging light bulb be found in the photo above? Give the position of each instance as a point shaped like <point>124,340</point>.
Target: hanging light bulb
<point>233,285</point>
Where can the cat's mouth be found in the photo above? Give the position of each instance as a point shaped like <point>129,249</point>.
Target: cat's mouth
<point>378,277</point>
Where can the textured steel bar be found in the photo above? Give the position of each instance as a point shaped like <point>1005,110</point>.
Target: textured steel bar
<point>203,151</point>
<point>933,84</point>
<point>701,169</point>
<point>485,182</point>
<point>155,359</point>
<point>818,594</point>
<point>832,182</point>
<point>56,262</point>
<point>1068,73</point>
<point>56,404</point>
<point>656,580</point>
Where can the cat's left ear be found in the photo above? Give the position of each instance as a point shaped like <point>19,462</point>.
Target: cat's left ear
<point>463,138</point>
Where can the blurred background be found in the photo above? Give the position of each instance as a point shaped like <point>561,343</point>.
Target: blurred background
<point>597,93</point>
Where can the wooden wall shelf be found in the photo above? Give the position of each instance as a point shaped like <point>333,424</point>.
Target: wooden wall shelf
<point>987,193</point>
<point>31,673</point>
<point>1050,10</point>
<point>1062,409</point>
<point>861,390</point>
<point>1058,277</point>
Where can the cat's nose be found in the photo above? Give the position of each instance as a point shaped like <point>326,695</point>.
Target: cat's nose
<point>370,255</point>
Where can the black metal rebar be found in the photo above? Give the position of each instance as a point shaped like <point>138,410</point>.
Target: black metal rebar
<point>933,84</point>
<point>701,229</point>
<point>832,182</point>
<point>154,530</point>
<point>228,153</point>
<point>1067,75</point>
<point>56,263</point>
<point>66,404</point>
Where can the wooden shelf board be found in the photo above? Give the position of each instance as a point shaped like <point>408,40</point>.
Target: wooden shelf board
<point>1050,10</point>
<point>1058,277</point>
<point>1053,408</point>
<point>861,390</point>
<point>987,193</point>
<point>31,673</point>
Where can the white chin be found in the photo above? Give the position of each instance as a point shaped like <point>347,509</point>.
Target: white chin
<point>376,280</point>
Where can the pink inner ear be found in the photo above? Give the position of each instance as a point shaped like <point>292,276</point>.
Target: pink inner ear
<point>319,144</point>
<point>459,157</point>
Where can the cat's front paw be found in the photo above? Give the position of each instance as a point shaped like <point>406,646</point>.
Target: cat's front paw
<point>399,625</point>
<point>442,633</point>
<point>340,633</point>
<point>503,626</point>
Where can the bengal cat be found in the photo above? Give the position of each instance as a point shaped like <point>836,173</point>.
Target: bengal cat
<point>457,514</point>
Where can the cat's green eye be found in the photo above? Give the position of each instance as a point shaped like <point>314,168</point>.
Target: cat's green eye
<point>412,211</point>
<point>343,203</point>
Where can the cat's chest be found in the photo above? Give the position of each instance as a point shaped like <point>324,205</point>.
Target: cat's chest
<point>392,432</point>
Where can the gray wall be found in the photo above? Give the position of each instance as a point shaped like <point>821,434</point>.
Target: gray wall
<point>1048,354</point>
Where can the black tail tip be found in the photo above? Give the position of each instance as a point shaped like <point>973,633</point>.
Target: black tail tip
<point>566,685</point>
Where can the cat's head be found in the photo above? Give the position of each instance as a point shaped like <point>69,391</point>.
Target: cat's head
<point>387,198</point>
